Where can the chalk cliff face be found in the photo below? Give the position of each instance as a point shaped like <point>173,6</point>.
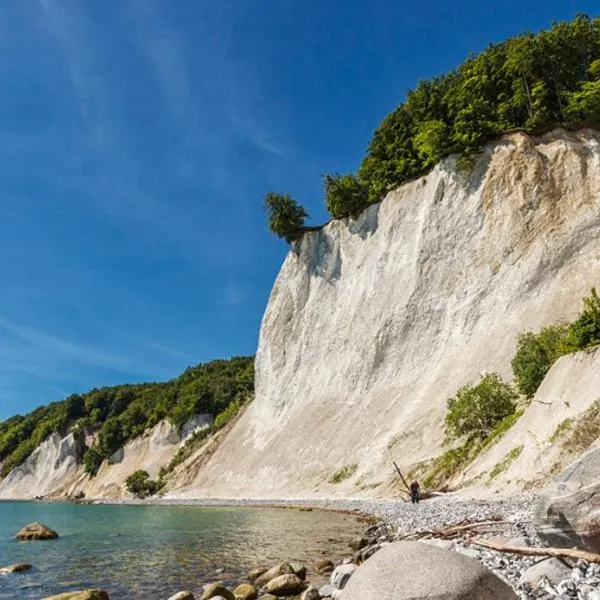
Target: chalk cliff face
<point>55,467</point>
<point>373,323</point>
<point>55,460</point>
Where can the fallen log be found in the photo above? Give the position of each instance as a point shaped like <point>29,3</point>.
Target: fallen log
<point>451,531</point>
<point>556,552</point>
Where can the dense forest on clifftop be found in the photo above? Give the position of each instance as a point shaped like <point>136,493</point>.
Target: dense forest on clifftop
<point>531,81</point>
<point>120,413</point>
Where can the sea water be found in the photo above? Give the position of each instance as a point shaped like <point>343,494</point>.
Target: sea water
<point>152,552</point>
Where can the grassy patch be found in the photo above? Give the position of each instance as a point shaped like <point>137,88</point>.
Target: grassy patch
<point>506,461</point>
<point>585,431</point>
<point>343,473</point>
<point>443,468</point>
<point>561,430</point>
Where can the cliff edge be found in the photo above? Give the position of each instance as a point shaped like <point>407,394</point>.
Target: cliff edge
<point>374,323</point>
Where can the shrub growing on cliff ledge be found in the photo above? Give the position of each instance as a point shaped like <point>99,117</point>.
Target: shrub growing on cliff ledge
<point>536,353</point>
<point>476,410</point>
<point>284,215</point>
<point>585,331</point>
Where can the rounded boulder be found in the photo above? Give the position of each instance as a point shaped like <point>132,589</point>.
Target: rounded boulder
<point>36,531</point>
<point>414,571</point>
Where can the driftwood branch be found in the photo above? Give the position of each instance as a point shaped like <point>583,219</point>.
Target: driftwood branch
<point>453,531</point>
<point>556,552</point>
<point>401,477</point>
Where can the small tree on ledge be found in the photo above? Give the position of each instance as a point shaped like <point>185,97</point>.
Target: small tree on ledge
<point>284,215</point>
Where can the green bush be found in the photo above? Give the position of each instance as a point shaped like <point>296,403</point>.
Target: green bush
<point>140,484</point>
<point>476,410</point>
<point>284,215</point>
<point>229,413</point>
<point>92,460</point>
<point>344,473</point>
<point>345,195</point>
<point>536,353</point>
<point>585,331</point>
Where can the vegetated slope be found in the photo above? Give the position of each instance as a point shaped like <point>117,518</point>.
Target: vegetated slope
<point>132,426</point>
<point>374,323</point>
<point>562,421</point>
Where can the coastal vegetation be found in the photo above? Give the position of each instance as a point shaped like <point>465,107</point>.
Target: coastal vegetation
<point>344,473</point>
<point>506,461</point>
<point>284,215</point>
<point>480,414</point>
<point>141,486</point>
<point>537,352</point>
<point>530,82</point>
<point>119,413</point>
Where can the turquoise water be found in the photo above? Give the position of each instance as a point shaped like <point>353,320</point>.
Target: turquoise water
<point>151,552</point>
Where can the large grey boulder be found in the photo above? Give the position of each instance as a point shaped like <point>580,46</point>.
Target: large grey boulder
<point>569,511</point>
<point>415,571</point>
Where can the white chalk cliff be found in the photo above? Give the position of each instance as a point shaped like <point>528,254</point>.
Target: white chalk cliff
<point>55,467</point>
<point>373,323</point>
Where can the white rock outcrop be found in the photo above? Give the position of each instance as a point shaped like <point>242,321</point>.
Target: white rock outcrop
<point>55,468</point>
<point>56,459</point>
<point>373,323</point>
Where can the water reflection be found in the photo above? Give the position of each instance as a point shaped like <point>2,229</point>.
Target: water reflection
<point>153,551</point>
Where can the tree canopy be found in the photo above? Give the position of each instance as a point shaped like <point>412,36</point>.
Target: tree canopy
<point>122,412</point>
<point>284,215</point>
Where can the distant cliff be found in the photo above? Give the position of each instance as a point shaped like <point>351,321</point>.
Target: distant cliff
<point>374,322</point>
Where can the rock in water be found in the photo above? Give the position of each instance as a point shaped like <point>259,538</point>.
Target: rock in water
<point>285,585</point>
<point>216,589</point>
<point>411,571</point>
<point>569,512</point>
<point>182,596</point>
<point>276,571</point>
<point>341,575</point>
<point>245,591</point>
<point>36,531</point>
<point>18,568</point>
<point>81,595</point>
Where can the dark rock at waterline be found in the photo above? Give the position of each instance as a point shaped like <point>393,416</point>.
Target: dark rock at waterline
<point>360,542</point>
<point>81,595</point>
<point>569,512</point>
<point>276,571</point>
<point>256,572</point>
<point>299,570</point>
<point>245,591</point>
<point>324,566</point>
<point>18,568</point>
<point>411,570</point>
<point>216,589</point>
<point>285,585</point>
<point>36,531</point>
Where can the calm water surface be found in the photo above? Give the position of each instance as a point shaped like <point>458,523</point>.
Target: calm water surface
<point>151,552</point>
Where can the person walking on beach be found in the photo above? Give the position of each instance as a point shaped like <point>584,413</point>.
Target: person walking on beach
<point>414,492</point>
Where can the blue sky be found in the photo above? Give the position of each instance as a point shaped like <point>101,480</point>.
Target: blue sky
<point>137,141</point>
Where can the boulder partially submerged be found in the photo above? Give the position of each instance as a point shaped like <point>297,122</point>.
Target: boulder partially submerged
<point>36,531</point>
<point>18,568</point>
